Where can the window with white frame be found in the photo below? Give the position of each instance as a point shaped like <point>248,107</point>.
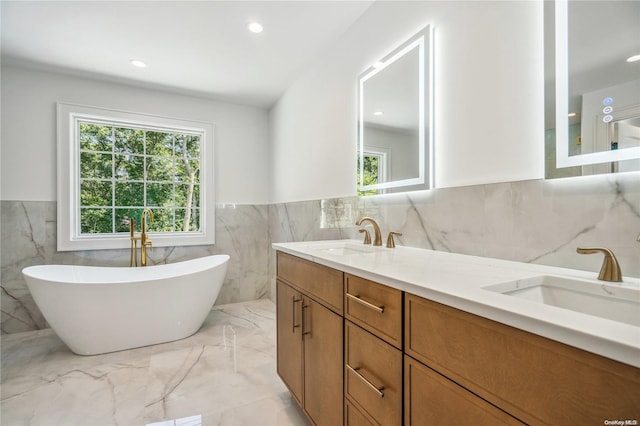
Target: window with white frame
<point>113,164</point>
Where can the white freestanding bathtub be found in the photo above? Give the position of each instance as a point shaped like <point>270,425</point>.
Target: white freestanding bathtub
<point>97,310</point>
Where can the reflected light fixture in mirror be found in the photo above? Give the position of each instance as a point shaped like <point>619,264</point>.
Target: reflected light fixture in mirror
<point>395,110</point>
<point>596,123</point>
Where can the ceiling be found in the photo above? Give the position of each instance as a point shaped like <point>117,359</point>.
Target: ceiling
<point>200,48</point>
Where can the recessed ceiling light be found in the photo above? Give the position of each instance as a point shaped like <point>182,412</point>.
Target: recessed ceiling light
<point>378,113</point>
<point>634,58</point>
<point>138,63</point>
<point>255,27</point>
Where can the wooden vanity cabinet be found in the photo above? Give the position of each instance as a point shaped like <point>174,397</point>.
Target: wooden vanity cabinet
<point>310,337</point>
<point>534,379</point>
<point>396,358</point>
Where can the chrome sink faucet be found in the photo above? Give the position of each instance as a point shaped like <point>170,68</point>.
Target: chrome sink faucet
<point>610,270</point>
<point>377,240</point>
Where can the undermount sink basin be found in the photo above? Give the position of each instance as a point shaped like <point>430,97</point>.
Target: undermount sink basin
<point>604,300</point>
<point>346,248</point>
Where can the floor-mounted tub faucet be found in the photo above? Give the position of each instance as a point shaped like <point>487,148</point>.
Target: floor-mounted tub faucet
<point>133,258</point>
<point>144,239</point>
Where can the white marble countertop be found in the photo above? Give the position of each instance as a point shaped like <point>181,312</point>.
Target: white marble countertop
<point>458,281</point>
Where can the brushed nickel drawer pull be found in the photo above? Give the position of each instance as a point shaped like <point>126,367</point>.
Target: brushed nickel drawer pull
<point>376,389</point>
<point>380,309</point>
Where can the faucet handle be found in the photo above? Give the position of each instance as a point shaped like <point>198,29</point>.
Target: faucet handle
<point>367,236</point>
<point>610,270</point>
<point>390,242</point>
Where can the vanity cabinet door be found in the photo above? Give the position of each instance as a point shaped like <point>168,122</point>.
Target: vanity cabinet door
<point>289,338</point>
<point>373,376</point>
<point>310,338</point>
<point>322,336</point>
<point>535,379</point>
<point>431,399</point>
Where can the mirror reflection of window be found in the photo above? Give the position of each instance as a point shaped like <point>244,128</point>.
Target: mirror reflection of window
<point>375,170</point>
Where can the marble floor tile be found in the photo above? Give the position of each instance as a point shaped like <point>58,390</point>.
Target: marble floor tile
<point>223,375</point>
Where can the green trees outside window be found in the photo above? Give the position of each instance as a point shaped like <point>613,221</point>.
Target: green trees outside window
<point>123,170</point>
<point>371,173</point>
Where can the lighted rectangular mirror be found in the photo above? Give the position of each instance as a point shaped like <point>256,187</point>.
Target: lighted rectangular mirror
<point>395,109</point>
<point>592,87</point>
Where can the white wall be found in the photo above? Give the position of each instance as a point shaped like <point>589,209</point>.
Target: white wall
<point>29,132</point>
<point>489,124</point>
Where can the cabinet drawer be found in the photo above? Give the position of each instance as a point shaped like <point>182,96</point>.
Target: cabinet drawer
<point>535,379</point>
<point>375,307</point>
<point>354,417</point>
<point>373,375</point>
<point>431,399</point>
<point>318,281</point>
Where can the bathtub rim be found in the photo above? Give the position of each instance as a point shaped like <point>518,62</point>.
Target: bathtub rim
<point>52,273</point>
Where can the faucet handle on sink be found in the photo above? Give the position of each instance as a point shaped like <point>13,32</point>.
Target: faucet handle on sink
<point>367,236</point>
<point>610,270</point>
<point>390,242</point>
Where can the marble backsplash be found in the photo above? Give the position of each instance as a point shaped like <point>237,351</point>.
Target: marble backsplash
<point>530,221</point>
<point>535,221</point>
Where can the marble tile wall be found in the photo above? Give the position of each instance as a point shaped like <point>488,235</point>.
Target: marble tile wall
<point>534,221</point>
<point>29,238</point>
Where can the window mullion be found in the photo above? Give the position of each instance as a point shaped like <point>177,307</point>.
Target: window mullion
<point>144,169</point>
<point>113,179</point>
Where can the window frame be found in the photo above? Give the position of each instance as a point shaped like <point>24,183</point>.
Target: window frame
<point>69,237</point>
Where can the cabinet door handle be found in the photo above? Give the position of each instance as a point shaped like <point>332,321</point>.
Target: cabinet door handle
<point>303,321</point>
<point>373,387</point>
<point>293,313</point>
<point>379,309</point>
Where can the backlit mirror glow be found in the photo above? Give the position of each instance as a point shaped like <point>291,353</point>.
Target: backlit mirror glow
<point>395,111</point>
<point>593,116</point>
